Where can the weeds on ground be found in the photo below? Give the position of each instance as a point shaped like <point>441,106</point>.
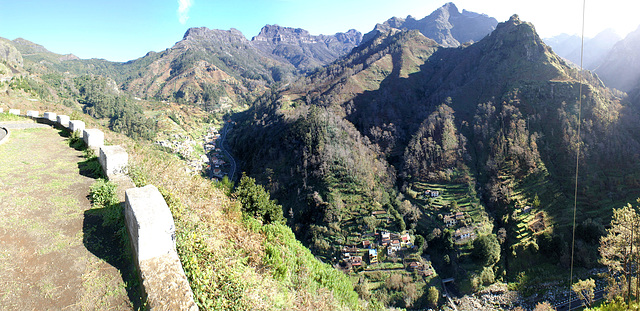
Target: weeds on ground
<point>106,235</point>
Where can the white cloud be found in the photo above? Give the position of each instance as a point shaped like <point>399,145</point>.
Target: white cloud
<point>183,10</point>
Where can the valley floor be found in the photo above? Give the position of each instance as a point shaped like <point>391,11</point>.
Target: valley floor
<point>51,255</point>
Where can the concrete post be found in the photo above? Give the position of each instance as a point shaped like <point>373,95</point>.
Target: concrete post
<point>32,113</point>
<point>94,138</point>
<point>77,126</point>
<point>114,160</point>
<point>63,120</point>
<point>149,222</point>
<point>51,116</point>
<point>14,111</point>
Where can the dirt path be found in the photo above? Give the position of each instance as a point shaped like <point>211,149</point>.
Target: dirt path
<point>45,257</point>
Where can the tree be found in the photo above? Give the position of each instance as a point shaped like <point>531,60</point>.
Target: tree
<point>420,242</point>
<point>409,210</point>
<point>544,306</point>
<point>584,289</point>
<point>256,202</point>
<point>433,295</point>
<point>410,293</point>
<point>502,235</point>
<point>371,222</point>
<point>619,247</point>
<point>536,201</point>
<point>487,249</point>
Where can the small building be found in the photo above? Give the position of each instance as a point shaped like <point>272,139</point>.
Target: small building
<point>432,193</point>
<point>405,239</point>
<point>356,261</point>
<point>459,215</point>
<point>373,256</point>
<point>366,244</point>
<point>449,220</point>
<point>393,247</point>
<point>464,234</point>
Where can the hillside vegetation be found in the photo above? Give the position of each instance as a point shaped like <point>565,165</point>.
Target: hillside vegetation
<point>401,116</point>
<point>398,163</point>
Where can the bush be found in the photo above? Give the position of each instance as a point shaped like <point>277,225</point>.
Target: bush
<point>103,193</point>
<point>486,249</point>
<point>256,202</point>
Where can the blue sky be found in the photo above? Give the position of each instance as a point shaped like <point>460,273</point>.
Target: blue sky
<point>121,30</point>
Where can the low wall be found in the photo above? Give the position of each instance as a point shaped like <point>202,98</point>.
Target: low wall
<point>148,220</point>
<point>152,232</point>
<point>114,160</point>
<point>4,135</point>
<point>93,138</point>
<point>77,126</point>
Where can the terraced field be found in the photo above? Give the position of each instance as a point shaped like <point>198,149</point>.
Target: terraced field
<point>464,198</point>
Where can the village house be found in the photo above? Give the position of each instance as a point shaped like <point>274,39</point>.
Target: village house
<point>464,234</point>
<point>356,261</point>
<point>449,220</point>
<point>385,238</point>
<point>405,240</point>
<point>366,244</point>
<point>432,193</point>
<point>373,256</point>
<point>459,215</point>
<point>393,247</point>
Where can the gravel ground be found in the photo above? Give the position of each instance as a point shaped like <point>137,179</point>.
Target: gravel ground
<point>46,259</point>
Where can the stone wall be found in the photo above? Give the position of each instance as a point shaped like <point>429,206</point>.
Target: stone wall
<point>148,220</point>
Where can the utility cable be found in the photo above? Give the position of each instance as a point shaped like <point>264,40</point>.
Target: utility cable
<point>575,193</point>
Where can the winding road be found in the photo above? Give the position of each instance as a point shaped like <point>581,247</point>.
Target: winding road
<point>227,127</point>
<point>578,303</point>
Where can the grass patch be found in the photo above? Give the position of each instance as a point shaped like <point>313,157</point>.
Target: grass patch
<point>105,235</point>
<point>5,116</point>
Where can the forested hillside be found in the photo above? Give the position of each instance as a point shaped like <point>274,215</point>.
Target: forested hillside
<point>430,149</point>
<point>401,116</point>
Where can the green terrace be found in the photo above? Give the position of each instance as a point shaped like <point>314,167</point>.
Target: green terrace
<point>449,195</point>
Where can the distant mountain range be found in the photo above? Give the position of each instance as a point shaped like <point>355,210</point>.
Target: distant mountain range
<point>301,49</point>
<point>446,25</point>
<point>621,68</point>
<point>595,49</point>
<point>344,128</point>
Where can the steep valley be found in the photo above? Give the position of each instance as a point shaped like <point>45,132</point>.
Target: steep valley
<point>373,167</point>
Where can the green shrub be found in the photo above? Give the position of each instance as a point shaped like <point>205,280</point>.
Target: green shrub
<point>103,193</point>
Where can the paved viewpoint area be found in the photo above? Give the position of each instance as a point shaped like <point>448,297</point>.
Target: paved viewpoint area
<point>48,238</point>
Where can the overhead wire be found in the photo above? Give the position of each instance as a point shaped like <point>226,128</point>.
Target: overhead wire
<point>575,193</point>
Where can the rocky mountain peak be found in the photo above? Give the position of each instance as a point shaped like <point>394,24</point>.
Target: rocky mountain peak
<point>278,34</point>
<point>9,53</point>
<point>205,34</point>
<point>449,8</point>
<point>446,25</point>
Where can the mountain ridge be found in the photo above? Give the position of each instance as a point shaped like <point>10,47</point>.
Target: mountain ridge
<point>621,68</point>
<point>494,118</point>
<point>446,25</point>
